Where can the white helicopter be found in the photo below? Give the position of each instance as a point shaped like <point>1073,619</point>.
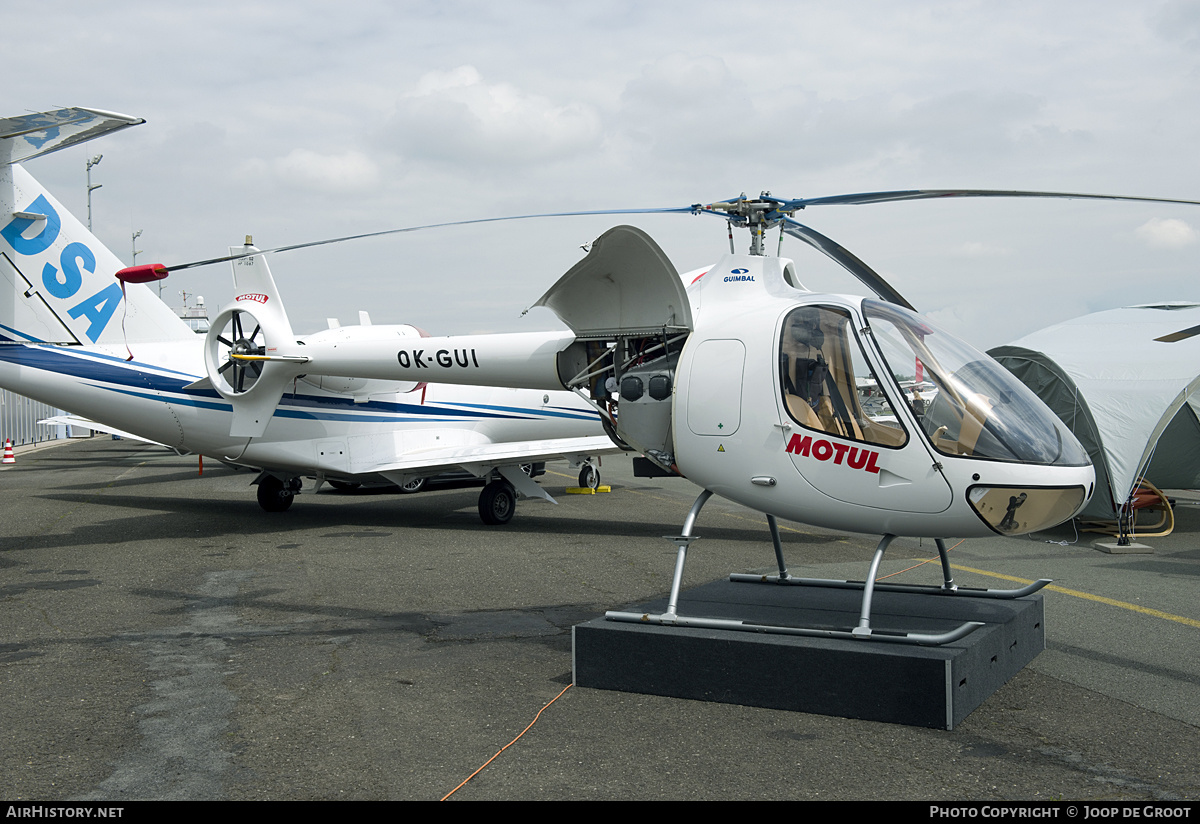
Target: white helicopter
<point>110,351</point>
<point>752,387</point>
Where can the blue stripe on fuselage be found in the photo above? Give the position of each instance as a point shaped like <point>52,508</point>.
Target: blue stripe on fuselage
<point>52,358</point>
<point>545,412</point>
<point>129,378</point>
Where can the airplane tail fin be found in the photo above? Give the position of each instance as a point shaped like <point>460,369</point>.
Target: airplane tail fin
<point>57,281</point>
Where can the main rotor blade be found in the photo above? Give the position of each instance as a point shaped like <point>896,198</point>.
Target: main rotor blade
<point>310,244</point>
<point>847,259</point>
<point>928,194</point>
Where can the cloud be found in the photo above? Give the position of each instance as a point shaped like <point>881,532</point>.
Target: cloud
<point>976,249</point>
<point>335,174</point>
<point>308,171</point>
<point>684,107</point>
<point>457,116</point>
<point>1166,233</point>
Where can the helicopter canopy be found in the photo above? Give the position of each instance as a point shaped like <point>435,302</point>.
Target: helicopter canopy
<point>976,409</point>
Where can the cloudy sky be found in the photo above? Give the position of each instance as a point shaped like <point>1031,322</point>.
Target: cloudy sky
<point>302,120</point>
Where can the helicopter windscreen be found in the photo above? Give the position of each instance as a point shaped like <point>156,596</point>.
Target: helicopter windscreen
<point>967,404</point>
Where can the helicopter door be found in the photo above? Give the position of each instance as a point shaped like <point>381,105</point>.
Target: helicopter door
<point>840,427</point>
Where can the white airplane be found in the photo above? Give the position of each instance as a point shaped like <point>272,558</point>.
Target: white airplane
<point>111,352</point>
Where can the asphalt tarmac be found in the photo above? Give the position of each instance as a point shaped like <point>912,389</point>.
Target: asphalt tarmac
<point>164,638</point>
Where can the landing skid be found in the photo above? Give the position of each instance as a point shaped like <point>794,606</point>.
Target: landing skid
<point>863,631</point>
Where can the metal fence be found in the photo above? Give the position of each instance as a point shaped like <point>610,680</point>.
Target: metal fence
<point>19,418</point>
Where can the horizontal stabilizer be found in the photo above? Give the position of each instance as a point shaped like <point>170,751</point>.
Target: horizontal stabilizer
<point>85,423</point>
<point>32,135</point>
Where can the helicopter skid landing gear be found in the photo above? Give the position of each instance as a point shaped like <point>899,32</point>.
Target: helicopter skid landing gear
<point>948,587</point>
<point>862,631</point>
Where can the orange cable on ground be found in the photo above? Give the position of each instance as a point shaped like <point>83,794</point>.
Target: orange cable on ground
<point>506,746</point>
<point>914,566</point>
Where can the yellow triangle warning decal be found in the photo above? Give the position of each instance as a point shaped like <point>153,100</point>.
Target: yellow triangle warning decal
<point>721,448</point>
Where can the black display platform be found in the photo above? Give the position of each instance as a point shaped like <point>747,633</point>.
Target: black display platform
<point>872,680</point>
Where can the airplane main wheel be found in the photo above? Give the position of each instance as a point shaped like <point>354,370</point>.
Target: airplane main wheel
<point>589,477</point>
<point>497,503</point>
<point>274,495</point>
<point>413,486</point>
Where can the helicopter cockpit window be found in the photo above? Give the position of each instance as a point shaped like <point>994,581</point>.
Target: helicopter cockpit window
<point>827,383</point>
<point>967,404</point>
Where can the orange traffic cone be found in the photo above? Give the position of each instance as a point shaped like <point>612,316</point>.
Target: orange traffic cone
<point>8,453</point>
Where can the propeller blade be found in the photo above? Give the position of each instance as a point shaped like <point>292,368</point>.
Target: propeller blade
<point>835,251</point>
<point>929,194</point>
<point>277,249</point>
<point>771,209</point>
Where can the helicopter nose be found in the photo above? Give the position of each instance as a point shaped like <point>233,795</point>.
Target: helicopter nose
<point>1012,510</point>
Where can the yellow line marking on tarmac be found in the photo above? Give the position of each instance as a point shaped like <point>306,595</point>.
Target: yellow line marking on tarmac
<point>1112,602</point>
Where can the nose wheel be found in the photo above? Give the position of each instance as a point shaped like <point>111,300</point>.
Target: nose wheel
<point>589,477</point>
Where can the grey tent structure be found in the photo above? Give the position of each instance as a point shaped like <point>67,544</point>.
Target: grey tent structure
<point>1125,382</point>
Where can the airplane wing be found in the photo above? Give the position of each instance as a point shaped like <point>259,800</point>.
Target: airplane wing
<point>479,459</point>
<point>506,458</point>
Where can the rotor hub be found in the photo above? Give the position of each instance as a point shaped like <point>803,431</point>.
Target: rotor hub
<point>757,214</point>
